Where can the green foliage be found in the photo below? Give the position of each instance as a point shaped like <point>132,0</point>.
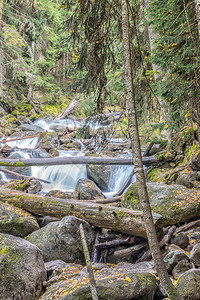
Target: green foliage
<point>175,53</point>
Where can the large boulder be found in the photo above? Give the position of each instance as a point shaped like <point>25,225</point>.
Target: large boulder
<point>116,282</point>
<point>100,175</point>
<point>88,190</point>
<point>173,257</point>
<point>174,203</point>
<point>195,255</point>
<point>16,221</point>
<point>189,285</point>
<point>61,240</point>
<point>22,270</point>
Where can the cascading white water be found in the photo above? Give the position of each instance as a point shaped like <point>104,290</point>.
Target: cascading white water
<point>118,177</point>
<point>63,178</point>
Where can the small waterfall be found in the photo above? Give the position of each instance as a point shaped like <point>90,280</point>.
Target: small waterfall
<point>62,177</point>
<point>118,177</point>
<point>29,143</point>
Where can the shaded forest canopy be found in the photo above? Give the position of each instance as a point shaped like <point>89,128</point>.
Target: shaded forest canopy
<point>53,50</point>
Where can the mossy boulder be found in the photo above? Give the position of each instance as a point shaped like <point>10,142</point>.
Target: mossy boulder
<point>174,203</point>
<point>88,190</point>
<point>189,285</point>
<point>16,221</point>
<point>22,270</point>
<point>61,240</point>
<point>47,141</point>
<point>116,282</point>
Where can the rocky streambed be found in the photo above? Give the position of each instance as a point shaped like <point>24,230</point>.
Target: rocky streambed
<point>40,246</point>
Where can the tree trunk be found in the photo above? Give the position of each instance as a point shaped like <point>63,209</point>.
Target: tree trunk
<point>1,52</point>
<point>139,171</point>
<point>76,160</point>
<point>118,219</point>
<point>197,7</point>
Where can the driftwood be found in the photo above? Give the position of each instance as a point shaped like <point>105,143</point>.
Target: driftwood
<point>74,104</point>
<point>147,255</point>
<point>23,176</point>
<point>95,258</point>
<point>92,282</point>
<point>111,244</point>
<point>188,226</point>
<point>20,138</point>
<point>118,219</point>
<point>75,161</point>
<point>121,254</point>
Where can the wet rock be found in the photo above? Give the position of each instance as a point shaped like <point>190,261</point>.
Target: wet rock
<point>47,141</point>
<point>173,257</point>
<point>174,203</point>
<point>16,221</point>
<point>88,190</point>
<point>35,187</point>
<point>116,282</point>
<point>181,239</point>
<point>22,270</point>
<point>181,267</point>
<point>195,255</point>
<point>189,285</point>
<point>6,150</point>
<point>57,127</point>
<point>61,240</point>
<point>30,127</point>
<point>65,139</point>
<point>100,175</point>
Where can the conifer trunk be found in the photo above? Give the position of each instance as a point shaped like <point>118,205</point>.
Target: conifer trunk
<point>1,52</point>
<point>140,177</point>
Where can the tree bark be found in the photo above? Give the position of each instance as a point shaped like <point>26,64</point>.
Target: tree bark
<point>92,282</point>
<point>139,171</point>
<point>118,219</point>
<point>1,52</point>
<point>76,160</point>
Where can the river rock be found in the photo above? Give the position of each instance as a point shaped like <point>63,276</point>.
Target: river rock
<point>65,139</point>
<point>173,257</point>
<point>47,141</point>
<point>22,270</point>
<point>174,203</point>
<point>35,187</point>
<point>116,282</point>
<point>189,285</point>
<point>181,267</point>
<point>88,190</point>
<point>181,239</point>
<point>16,221</point>
<point>195,255</point>
<point>30,127</point>
<point>61,240</point>
<point>100,175</point>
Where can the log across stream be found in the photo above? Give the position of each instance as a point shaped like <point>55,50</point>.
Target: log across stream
<point>101,215</point>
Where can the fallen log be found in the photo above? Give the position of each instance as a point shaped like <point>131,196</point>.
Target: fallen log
<point>19,138</point>
<point>23,176</point>
<point>118,219</point>
<point>121,254</point>
<point>112,244</point>
<point>77,160</point>
<point>188,226</point>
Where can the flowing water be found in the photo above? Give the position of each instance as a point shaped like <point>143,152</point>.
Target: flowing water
<point>64,177</point>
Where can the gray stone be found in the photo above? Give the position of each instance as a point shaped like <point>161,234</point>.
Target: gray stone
<point>173,257</point>
<point>189,285</point>
<point>61,240</point>
<point>16,221</point>
<point>181,239</point>
<point>175,203</point>
<point>195,255</point>
<point>22,270</point>
<point>116,282</point>
<point>30,127</point>
<point>88,190</point>
<point>35,187</point>
<point>181,267</point>
<point>100,175</point>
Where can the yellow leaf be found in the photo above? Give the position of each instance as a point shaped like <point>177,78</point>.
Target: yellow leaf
<point>127,278</point>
